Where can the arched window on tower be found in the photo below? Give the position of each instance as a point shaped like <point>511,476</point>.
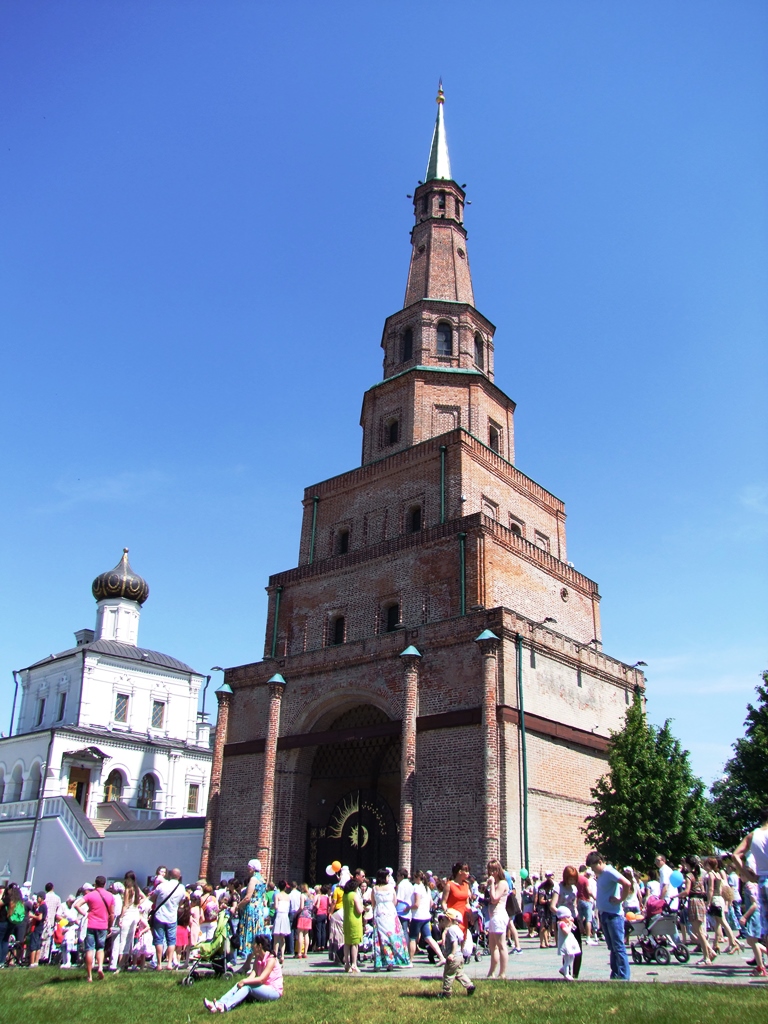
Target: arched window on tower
<point>414,519</point>
<point>342,542</point>
<point>338,630</point>
<point>113,787</point>
<point>392,431</point>
<point>494,437</point>
<point>145,800</point>
<point>407,344</point>
<point>458,209</point>
<point>444,339</point>
<point>479,353</point>
<point>391,618</point>
<point>441,200</point>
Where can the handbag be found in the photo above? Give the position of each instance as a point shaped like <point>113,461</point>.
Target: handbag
<point>151,916</point>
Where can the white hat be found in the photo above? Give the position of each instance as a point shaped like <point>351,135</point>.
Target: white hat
<point>255,864</point>
<point>563,912</point>
<point>453,914</point>
<point>87,887</point>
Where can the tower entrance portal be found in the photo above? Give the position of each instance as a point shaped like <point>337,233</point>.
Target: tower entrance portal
<point>354,798</point>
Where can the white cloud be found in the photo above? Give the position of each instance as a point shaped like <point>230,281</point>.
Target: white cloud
<point>121,488</point>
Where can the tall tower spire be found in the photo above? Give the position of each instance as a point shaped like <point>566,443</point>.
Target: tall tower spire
<point>439,165</point>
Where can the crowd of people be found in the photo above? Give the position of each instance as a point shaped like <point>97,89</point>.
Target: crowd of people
<point>716,904</point>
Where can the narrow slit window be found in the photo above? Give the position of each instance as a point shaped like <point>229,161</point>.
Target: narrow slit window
<point>407,344</point>
<point>479,354</point>
<point>339,631</point>
<point>62,706</point>
<point>342,542</point>
<point>441,200</point>
<point>40,711</point>
<point>393,432</point>
<point>494,437</point>
<point>414,519</point>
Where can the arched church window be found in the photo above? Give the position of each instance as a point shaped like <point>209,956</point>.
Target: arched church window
<point>392,431</point>
<point>113,787</point>
<point>479,355</point>
<point>342,542</point>
<point>339,630</point>
<point>147,792</point>
<point>444,339</point>
<point>414,519</point>
<point>391,617</point>
<point>407,344</point>
<point>441,200</point>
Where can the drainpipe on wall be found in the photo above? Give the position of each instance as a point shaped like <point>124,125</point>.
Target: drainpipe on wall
<point>15,694</point>
<point>278,592</point>
<point>462,573</point>
<point>523,749</point>
<point>29,870</point>
<point>443,450</point>
<point>314,528</point>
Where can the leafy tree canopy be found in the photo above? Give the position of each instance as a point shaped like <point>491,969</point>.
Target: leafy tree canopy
<point>649,801</point>
<point>743,789</point>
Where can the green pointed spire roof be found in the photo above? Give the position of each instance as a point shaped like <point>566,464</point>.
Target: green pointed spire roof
<point>439,165</point>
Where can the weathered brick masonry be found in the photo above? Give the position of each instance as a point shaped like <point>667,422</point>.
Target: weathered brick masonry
<point>446,694</point>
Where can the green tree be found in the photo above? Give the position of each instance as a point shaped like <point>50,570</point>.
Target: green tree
<point>743,789</point>
<point>649,801</point>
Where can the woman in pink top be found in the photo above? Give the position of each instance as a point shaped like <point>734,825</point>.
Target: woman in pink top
<point>263,984</point>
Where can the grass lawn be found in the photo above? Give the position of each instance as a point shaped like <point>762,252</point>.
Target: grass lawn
<point>50,996</point>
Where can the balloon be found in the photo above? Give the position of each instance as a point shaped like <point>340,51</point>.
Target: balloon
<point>676,879</point>
<point>333,868</point>
<point>523,873</point>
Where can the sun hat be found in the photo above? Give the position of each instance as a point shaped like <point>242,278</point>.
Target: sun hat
<point>453,914</point>
<point>564,912</point>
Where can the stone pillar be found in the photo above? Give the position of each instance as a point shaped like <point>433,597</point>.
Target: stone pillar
<point>411,658</point>
<point>489,645</point>
<point>266,830</point>
<point>224,696</point>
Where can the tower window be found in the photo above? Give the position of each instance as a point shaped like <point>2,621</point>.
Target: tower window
<point>515,526</point>
<point>494,437</point>
<point>414,519</point>
<point>158,714</point>
<point>146,798</point>
<point>113,787</point>
<point>407,344</point>
<point>444,339</point>
<point>62,706</point>
<point>479,357</point>
<point>424,206</point>
<point>339,630</point>
<point>441,200</point>
<point>121,707</point>
<point>40,711</point>
<point>342,542</point>
<point>458,209</point>
<point>393,432</point>
<point>391,617</point>
<point>542,541</point>
<point>193,798</point>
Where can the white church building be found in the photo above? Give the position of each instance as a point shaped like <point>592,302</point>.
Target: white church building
<point>107,768</point>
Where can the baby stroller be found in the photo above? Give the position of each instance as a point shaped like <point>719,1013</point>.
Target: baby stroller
<point>15,955</point>
<point>365,949</point>
<point>210,959</point>
<point>657,936</point>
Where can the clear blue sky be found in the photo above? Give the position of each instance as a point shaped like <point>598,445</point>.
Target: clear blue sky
<point>205,224</point>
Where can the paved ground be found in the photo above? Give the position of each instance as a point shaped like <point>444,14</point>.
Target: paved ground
<point>542,964</point>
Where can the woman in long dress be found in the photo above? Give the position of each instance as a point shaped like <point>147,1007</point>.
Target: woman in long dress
<point>254,917</point>
<point>352,904</point>
<point>390,947</point>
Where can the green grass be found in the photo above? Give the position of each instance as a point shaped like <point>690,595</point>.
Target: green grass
<point>53,997</point>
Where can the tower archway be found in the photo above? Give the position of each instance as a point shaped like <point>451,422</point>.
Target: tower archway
<point>353,799</point>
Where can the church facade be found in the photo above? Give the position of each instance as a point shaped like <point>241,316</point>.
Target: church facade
<point>433,684</point>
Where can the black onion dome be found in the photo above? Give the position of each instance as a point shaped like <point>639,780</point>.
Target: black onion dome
<point>121,581</point>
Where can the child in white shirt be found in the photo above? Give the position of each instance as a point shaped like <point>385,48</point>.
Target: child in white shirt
<point>453,940</point>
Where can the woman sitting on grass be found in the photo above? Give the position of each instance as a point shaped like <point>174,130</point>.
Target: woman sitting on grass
<point>263,984</point>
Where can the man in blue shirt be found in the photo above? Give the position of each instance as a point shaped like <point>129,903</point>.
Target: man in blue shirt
<point>612,889</point>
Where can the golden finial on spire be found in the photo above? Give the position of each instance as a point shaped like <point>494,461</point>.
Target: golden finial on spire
<point>439,165</point>
<point>440,93</point>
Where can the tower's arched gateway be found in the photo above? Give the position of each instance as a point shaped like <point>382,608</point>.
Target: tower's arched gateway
<point>434,626</point>
<point>353,801</point>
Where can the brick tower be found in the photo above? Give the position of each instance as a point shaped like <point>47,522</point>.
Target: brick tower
<point>433,683</point>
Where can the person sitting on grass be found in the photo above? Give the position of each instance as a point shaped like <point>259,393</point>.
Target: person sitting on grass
<point>263,984</point>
